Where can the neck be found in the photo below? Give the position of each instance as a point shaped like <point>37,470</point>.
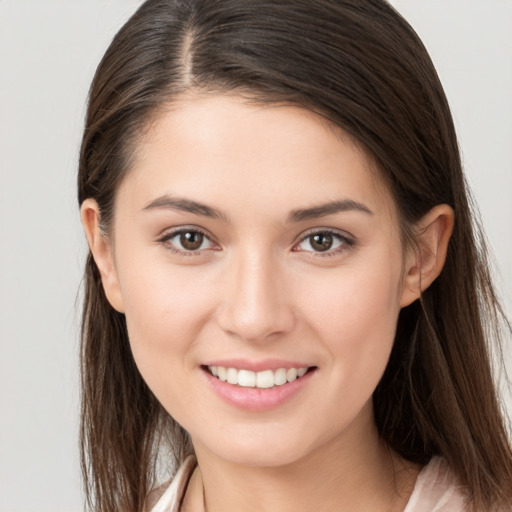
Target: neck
<point>354,472</point>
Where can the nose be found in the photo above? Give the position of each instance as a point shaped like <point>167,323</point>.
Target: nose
<point>255,305</point>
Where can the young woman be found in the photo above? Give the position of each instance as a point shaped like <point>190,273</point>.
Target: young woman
<point>285,296</point>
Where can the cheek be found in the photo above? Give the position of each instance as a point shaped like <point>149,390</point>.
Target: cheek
<point>356,324</point>
<point>165,311</point>
<point>163,296</point>
<point>353,300</point>
<point>355,314</point>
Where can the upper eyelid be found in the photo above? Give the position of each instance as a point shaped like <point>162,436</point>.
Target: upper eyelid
<point>332,231</point>
<point>348,242</point>
<point>168,233</point>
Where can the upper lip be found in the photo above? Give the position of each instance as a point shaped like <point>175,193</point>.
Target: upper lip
<point>257,366</point>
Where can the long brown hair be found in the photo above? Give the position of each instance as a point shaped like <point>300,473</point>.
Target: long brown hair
<point>358,64</point>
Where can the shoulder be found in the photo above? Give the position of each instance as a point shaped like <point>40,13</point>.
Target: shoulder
<point>437,490</point>
<point>168,496</point>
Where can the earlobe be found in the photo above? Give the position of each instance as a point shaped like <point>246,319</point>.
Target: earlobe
<point>101,250</point>
<point>425,261</point>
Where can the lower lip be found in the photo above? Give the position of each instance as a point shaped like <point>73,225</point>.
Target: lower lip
<point>256,399</point>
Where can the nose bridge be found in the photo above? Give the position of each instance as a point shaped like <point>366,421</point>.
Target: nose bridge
<point>254,301</point>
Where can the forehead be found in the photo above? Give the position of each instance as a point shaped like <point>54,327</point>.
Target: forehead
<point>222,149</point>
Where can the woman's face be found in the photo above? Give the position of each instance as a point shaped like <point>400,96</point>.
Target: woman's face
<point>255,243</point>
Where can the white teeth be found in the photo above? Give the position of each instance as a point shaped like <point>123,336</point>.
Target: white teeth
<point>291,374</point>
<point>280,377</point>
<point>263,380</point>
<point>222,373</point>
<point>232,376</point>
<point>246,378</point>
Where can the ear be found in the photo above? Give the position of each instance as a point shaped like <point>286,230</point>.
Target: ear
<point>424,261</point>
<point>102,252</point>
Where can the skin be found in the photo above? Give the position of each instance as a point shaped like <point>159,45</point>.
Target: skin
<point>258,288</point>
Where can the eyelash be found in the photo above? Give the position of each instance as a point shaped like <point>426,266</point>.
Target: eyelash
<point>346,243</point>
<point>166,240</point>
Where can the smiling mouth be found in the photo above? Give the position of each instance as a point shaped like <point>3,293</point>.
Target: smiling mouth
<point>265,379</point>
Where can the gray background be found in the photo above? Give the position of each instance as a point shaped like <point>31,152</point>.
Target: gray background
<point>48,53</point>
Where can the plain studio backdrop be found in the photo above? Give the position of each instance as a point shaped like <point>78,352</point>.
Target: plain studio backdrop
<point>48,53</point>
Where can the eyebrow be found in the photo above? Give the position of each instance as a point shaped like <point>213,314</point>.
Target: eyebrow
<point>330,208</point>
<point>185,205</point>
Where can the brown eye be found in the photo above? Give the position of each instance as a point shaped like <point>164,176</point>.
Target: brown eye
<point>191,240</point>
<point>328,242</point>
<point>186,241</point>
<point>321,242</point>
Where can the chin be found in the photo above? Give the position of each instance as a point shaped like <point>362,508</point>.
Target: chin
<point>261,457</point>
<point>267,446</point>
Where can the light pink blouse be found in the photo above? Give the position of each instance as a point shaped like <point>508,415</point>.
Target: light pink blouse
<point>436,490</point>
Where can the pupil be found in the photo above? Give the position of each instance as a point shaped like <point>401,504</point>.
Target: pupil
<point>192,240</point>
<point>321,242</point>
